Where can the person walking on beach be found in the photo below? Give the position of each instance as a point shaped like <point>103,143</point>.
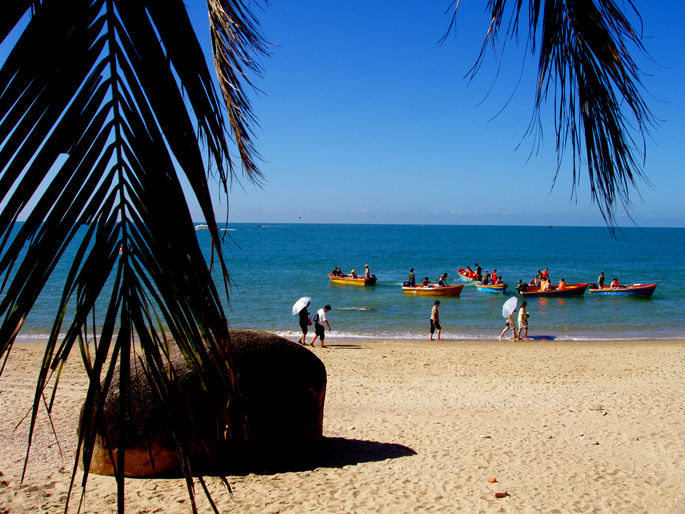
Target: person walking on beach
<point>435,320</point>
<point>319,330</point>
<point>304,324</point>
<point>510,324</point>
<point>523,321</point>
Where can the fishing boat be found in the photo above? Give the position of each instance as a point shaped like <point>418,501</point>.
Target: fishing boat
<point>492,288</point>
<point>463,277</point>
<point>432,290</point>
<point>569,290</point>
<point>634,290</point>
<point>351,281</point>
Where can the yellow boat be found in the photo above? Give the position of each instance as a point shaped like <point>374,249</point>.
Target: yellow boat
<point>350,281</point>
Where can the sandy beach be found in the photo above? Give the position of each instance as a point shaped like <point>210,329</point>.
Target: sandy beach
<point>418,427</point>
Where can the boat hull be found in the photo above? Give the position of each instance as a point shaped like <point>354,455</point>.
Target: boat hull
<point>451,290</point>
<point>349,281</point>
<point>492,289</point>
<point>569,290</point>
<point>634,290</point>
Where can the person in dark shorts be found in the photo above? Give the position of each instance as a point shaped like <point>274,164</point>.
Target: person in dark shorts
<point>319,329</point>
<point>304,324</point>
<point>435,320</point>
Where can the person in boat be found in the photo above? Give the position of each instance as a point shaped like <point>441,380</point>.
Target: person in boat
<point>353,274</point>
<point>498,281</point>
<point>538,279</point>
<point>561,285</point>
<point>545,275</point>
<point>523,321</point>
<point>521,286</point>
<point>614,283</point>
<point>435,320</point>
<point>479,274</point>
<point>600,280</point>
<point>469,272</point>
<point>544,284</point>
<point>319,330</point>
<point>412,277</point>
<point>493,276</point>
<point>426,282</point>
<point>367,273</point>
<point>486,278</point>
<point>442,281</point>
<point>335,272</point>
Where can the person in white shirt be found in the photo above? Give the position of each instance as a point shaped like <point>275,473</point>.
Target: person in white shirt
<point>319,320</point>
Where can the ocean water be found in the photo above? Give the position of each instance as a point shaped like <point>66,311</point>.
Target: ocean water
<point>272,265</point>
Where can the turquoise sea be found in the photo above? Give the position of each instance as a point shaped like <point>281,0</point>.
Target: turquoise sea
<point>273,265</point>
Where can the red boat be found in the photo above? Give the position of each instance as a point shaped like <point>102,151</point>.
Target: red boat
<point>569,290</point>
<point>449,290</point>
<point>634,290</point>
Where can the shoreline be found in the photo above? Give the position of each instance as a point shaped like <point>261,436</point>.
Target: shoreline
<point>415,425</point>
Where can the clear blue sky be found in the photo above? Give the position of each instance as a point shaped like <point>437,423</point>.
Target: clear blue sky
<point>366,118</point>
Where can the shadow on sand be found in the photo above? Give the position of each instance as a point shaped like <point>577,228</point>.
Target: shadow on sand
<point>329,452</point>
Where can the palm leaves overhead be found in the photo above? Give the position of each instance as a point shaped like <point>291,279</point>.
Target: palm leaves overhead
<point>101,102</point>
<point>585,66</point>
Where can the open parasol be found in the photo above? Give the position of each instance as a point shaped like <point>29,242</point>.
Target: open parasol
<point>301,304</point>
<point>509,306</point>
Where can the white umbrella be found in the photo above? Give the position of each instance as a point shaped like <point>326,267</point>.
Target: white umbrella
<point>509,306</point>
<point>301,304</point>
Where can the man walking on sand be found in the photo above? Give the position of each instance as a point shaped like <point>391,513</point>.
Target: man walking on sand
<point>435,320</point>
<point>319,330</point>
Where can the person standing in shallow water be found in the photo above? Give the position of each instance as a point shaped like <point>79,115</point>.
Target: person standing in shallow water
<point>304,324</point>
<point>435,320</point>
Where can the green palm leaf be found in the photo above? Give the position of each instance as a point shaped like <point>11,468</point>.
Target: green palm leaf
<point>102,104</point>
<point>585,69</point>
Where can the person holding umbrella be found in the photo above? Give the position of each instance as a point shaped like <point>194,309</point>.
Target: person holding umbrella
<point>300,307</point>
<point>508,312</point>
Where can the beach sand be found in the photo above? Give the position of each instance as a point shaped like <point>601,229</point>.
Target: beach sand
<point>418,427</point>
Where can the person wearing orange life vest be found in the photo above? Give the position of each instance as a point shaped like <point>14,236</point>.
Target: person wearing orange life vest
<point>493,276</point>
<point>614,283</point>
<point>562,284</point>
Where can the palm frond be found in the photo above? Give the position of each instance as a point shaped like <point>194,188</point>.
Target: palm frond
<point>102,104</point>
<point>586,70</point>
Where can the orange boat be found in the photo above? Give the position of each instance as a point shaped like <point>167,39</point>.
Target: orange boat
<point>569,290</point>
<point>350,281</point>
<point>449,290</point>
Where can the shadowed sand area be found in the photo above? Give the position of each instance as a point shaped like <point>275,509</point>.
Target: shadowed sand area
<point>418,427</point>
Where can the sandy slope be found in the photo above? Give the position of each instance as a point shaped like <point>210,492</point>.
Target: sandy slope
<point>420,427</point>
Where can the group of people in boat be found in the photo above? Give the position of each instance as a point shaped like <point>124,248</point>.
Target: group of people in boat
<point>614,283</point>
<point>337,272</point>
<point>411,280</point>
<point>483,277</point>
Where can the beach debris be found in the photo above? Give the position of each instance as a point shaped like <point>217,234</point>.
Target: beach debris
<point>501,494</point>
<point>351,428</point>
<point>548,436</point>
<point>492,480</point>
<point>485,436</point>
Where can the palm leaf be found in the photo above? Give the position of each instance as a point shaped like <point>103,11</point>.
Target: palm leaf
<point>585,69</point>
<point>102,104</point>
